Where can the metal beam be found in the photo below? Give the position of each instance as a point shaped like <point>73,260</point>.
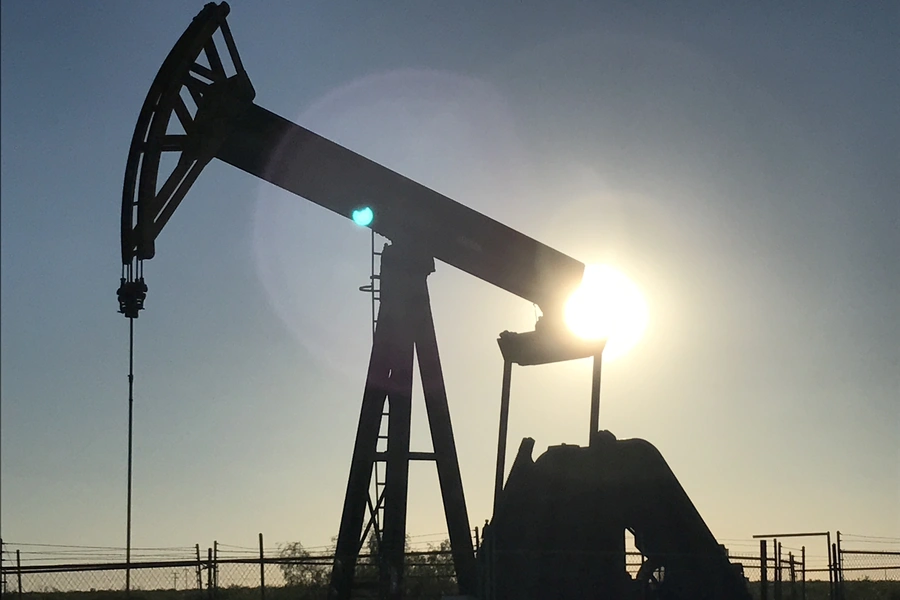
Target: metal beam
<point>407,213</point>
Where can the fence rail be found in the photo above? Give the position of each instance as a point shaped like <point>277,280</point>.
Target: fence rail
<point>231,572</point>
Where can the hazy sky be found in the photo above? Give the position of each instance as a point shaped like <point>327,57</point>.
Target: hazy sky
<point>739,164</point>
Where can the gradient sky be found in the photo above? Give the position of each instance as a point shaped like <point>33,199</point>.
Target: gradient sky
<point>740,164</point>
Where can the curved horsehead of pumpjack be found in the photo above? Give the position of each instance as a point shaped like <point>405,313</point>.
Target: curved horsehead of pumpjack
<point>421,224</point>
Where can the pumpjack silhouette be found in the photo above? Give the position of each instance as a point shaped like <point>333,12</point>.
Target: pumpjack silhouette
<point>558,529</point>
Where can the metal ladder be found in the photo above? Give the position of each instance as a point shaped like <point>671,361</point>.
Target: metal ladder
<point>376,494</point>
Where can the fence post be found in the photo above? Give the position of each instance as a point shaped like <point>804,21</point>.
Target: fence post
<point>830,567</point>
<point>262,570</point>
<point>834,567</point>
<point>839,568</point>
<point>776,577</point>
<point>763,571</point>
<point>803,572</point>
<point>199,569</point>
<point>780,572</point>
<point>209,573</point>
<point>215,568</point>
<point>19,571</point>
<point>793,575</point>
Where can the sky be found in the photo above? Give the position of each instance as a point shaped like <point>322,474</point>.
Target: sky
<point>738,162</point>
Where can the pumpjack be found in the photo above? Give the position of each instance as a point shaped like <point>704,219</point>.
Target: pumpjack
<point>201,107</point>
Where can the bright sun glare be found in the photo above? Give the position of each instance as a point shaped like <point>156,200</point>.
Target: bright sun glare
<point>607,305</point>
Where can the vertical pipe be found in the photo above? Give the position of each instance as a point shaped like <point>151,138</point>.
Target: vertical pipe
<point>262,570</point>
<point>501,435</point>
<point>130,437</point>
<point>19,572</point>
<point>595,397</point>
<point>215,565</point>
<point>763,571</point>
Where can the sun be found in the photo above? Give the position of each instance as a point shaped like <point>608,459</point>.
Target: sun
<point>607,305</point>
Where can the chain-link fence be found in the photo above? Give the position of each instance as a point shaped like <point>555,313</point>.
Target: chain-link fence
<point>869,567</point>
<point>221,579</point>
<point>428,575</point>
<point>870,564</point>
<point>864,571</point>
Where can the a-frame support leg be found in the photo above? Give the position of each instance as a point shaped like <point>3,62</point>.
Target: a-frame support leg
<point>364,454</point>
<point>396,481</point>
<point>445,452</point>
<point>404,323</point>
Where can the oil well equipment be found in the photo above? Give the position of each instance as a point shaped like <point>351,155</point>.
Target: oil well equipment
<point>559,521</point>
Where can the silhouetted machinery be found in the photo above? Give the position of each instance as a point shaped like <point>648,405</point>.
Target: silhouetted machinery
<point>572,502</point>
<point>558,530</point>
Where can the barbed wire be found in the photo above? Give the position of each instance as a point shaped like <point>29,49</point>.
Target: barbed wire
<point>27,544</point>
<point>872,537</point>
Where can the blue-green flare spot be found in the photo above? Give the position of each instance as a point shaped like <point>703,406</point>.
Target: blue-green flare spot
<point>363,216</point>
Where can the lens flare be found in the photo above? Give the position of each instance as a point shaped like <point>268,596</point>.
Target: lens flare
<point>607,305</point>
<point>363,216</point>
